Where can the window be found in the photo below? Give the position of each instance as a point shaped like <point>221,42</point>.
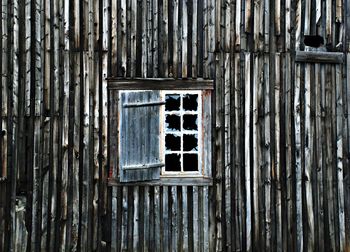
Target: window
<point>182,131</point>
<point>161,133</point>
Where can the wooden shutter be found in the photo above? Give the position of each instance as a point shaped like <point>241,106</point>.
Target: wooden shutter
<point>139,136</point>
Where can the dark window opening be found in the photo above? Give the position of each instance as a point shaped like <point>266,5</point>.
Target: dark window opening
<point>172,142</point>
<point>172,162</point>
<point>190,162</point>
<point>190,142</point>
<point>190,102</point>
<point>190,122</point>
<point>172,102</point>
<point>172,122</point>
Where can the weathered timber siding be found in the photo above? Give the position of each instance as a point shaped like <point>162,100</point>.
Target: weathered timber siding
<point>281,128</point>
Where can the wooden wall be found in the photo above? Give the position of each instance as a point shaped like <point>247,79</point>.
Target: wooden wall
<point>281,163</point>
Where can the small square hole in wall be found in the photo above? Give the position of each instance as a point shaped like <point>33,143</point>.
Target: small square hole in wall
<point>313,40</point>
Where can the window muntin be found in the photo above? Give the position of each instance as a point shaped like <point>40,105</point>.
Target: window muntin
<point>182,134</point>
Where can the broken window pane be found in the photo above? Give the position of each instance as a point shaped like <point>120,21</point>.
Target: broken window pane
<point>172,122</point>
<point>190,162</point>
<point>190,122</point>
<point>172,162</point>
<point>190,143</point>
<point>172,102</point>
<point>190,102</point>
<point>172,142</point>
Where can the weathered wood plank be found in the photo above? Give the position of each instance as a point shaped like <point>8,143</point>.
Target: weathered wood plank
<point>319,57</point>
<point>297,121</point>
<point>157,84</point>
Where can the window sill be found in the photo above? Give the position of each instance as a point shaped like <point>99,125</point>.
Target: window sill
<point>166,181</point>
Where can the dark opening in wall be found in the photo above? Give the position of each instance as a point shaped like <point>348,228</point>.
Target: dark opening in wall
<point>190,122</point>
<point>313,40</point>
<point>172,142</point>
<point>190,162</point>
<point>172,162</point>
<point>172,102</point>
<point>190,142</point>
<point>172,122</point>
<point>190,102</point>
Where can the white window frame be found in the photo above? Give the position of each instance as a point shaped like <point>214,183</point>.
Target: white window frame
<point>199,152</point>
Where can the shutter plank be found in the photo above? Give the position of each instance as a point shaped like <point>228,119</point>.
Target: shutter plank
<point>139,136</point>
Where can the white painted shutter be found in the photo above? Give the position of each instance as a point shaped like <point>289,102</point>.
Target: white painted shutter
<point>139,136</point>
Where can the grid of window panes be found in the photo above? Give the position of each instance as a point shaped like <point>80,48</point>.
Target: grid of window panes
<point>182,122</point>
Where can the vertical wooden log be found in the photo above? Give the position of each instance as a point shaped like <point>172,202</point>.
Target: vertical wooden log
<point>308,149</point>
<point>297,121</point>
<point>257,155</point>
<point>124,234</point>
<point>185,219</point>
<point>205,214</point>
<point>149,32</point>
<point>12,120</point>
<point>290,196</point>
<point>27,55</point>
<point>136,241</point>
<point>103,72</point>
<point>340,126</point>
<point>63,170</point>
<point>3,168</point>
<point>329,158</point>
<point>79,82</point>
<point>36,112</point>
<point>157,218</point>
<point>144,40</point>
<point>133,37</point>
<point>174,216</point>
<point>5,241</point>
<point>4,74</point>
<point>247,151</point>
<point>114,220</point>
<point>113,37</point>
<point>227,161</point>
<point>288,31</point>
<point>328,14</point>
<point>267,155</point>
<point>184,41</point>
<point>122,39</point>
<point>175,6</point>
<point>155,42</point>
<point>237,22</point>
<point>205,38</point>
<point>319,90</point>
<point>265,26</point>
<point>146,221</point>
<point>164,41</point>
<point>196,219</point>
<point>238,199</point>
<point>165,220</point>
<point>195,47</point>
<point>347,171</point>
<point>277,164</point>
